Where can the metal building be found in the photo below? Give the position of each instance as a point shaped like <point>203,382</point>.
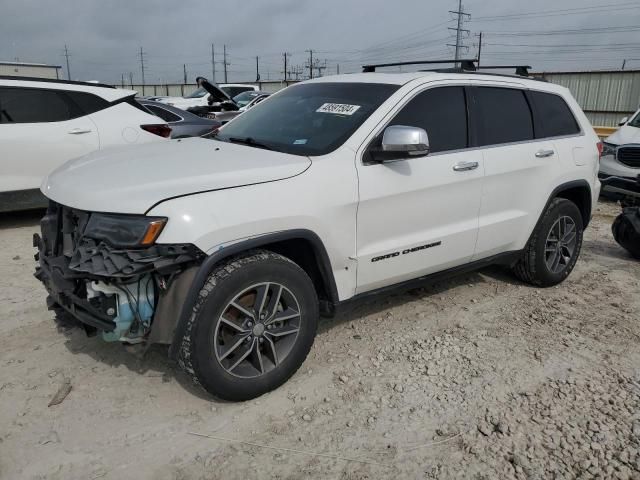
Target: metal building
<point>605,96</point>
<point>21,69</point>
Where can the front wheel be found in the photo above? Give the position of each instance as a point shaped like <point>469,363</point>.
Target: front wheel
<point>555,244</point>
<point>252,327</point>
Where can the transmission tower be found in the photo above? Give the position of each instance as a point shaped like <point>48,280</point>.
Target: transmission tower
<point>461,32</point>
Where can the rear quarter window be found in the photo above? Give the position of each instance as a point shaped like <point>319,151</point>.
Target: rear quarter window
<point>553,116</point>
<point>87,102</point>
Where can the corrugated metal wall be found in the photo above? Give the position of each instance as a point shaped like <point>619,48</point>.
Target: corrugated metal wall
<point>605,97</point>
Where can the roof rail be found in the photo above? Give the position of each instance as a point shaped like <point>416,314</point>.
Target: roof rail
<point>54,80</point>
<point>466,66</point>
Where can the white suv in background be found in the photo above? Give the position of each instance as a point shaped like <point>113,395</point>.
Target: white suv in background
<point>325,193</point>
<point>44,123</point>
<point>621,155</point>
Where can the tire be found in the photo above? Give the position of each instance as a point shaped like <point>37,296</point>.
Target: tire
<point>277,348</point>
<point>626,230</point>
<point>536,266</point>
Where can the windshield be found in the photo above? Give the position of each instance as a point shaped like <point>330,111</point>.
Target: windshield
<point>310,118</point>
<point>199,93</point>
<point>635,121</point>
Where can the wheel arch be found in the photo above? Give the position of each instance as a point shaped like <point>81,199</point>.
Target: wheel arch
<point>578,192</point>
<point>303,247</point>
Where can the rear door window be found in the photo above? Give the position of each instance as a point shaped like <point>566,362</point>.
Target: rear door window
<point>442,113</point>
<point>502,115</point>
<point>553,116</point>
<point>32,105</point>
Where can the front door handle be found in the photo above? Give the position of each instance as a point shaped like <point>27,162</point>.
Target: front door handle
<point>465,166</point>
<point>544,153</point>
<point>79,131</point>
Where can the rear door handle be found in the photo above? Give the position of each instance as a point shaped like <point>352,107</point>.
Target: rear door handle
<point>79,131</point>
<point>465,166</point>
<point>544,153</point>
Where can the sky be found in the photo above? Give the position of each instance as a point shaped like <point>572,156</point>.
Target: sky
<point>104,37</point>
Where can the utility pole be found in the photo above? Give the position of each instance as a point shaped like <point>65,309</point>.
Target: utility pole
<point>131,79</point>
<point>122,82</point>
<point>462,16</point>
<point>66,54</point>
<point>213,64</point>
<point>184,68</point>
<point>624,63</point>
<point>224,53</point>
<point>284,56</point>
<point>479,48</point>
<point>310,63</point>
<point>338,69</point>
<point>257,69</point>
<point>142,54</point>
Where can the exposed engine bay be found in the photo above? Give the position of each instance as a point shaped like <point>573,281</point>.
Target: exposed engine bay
<point>102,270</point>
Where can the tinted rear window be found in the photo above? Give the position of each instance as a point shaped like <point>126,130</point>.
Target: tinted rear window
<point>503,116</point>
<point>553,115</point>
<point>165,115</point>
<point>30,105</point>
<point>442,112</point>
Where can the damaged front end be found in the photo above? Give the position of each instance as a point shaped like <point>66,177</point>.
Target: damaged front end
<point>107,272</point>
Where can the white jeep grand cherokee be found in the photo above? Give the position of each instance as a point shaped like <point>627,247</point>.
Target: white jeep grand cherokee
<point>329,191</point>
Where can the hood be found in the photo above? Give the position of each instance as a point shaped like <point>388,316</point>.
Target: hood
<point>131,179</point>
<point>626,134</point>
<point>217,94</point>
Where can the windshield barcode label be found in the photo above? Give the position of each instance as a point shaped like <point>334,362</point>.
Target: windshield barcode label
<point>339,108</point>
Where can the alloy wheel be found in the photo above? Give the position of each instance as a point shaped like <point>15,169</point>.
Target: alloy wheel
<point>257,330</point>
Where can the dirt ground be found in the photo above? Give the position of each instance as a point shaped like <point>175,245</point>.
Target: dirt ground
<point>476,377</point>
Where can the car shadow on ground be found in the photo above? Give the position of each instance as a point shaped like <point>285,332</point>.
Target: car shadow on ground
<point>607,249</point>
<point>28,218</point>
<point>148,362</point>
<point>155,362</point>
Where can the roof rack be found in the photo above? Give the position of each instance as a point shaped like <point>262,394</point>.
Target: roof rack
<point>466,66</point>
<point>54,80</point>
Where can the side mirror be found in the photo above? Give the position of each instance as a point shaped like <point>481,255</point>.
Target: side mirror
<point>400,142</point>
<point>623,121</point>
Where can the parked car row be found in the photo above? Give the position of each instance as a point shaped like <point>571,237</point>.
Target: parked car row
<point>44,123</point>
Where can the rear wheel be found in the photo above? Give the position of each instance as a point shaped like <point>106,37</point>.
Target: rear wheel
<point>252,327</point>
<point>554,247</point>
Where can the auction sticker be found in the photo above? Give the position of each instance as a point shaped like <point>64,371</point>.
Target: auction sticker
<point>339,108</point>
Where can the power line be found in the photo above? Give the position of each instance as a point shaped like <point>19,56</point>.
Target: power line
<point>561,12</point>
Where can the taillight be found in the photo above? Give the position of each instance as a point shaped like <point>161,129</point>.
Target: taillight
<point>160,129</point>
<point>600,146</point>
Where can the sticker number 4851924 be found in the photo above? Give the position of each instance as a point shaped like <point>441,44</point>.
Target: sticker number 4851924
<point>339,108</point>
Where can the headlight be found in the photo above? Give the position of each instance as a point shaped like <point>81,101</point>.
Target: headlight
<point>609,149</point>
<point>126,231</point>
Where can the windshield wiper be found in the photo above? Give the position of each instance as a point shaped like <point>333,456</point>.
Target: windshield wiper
<point>249,142</point>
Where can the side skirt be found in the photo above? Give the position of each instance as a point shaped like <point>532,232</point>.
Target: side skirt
<point>506,259</point>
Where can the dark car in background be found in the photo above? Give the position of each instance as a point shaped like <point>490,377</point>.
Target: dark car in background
<point>183,124</point>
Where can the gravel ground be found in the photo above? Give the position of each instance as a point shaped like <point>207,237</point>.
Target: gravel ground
<point>476,377</point>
